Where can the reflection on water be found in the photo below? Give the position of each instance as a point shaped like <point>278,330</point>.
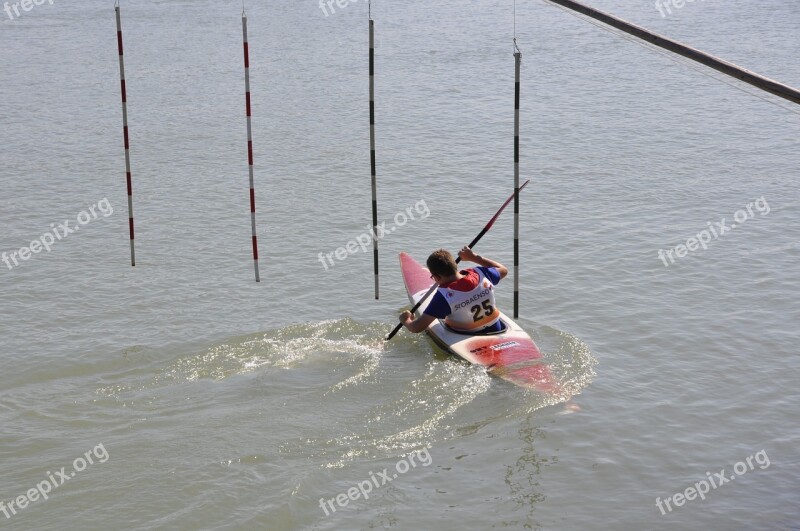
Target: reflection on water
<point>522,477</point>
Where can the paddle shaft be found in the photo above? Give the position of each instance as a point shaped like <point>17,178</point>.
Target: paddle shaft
<point>458,259</point>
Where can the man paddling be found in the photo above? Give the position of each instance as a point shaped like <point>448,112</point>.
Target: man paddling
<point>464,299</point>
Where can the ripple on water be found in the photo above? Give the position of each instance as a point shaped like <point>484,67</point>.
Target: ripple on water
<point>350,394</point>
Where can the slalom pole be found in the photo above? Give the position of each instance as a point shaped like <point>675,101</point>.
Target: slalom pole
<point>720,65</point>
<point>372,151</point>
<point>250,143</point>
<point>517,61</point>
<point>125,131</point>
<point>458,259</point>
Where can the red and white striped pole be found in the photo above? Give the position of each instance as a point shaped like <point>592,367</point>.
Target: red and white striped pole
<point>125,132</point>
<point>250,142</point>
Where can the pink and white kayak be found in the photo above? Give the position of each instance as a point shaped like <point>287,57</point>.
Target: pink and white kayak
<point>511,354</point>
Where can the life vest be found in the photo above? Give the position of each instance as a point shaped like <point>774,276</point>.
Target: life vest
<point>471,310</point>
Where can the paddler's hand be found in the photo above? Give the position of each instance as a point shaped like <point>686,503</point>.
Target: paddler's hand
<point>406,317</point>
<point>467,255</point>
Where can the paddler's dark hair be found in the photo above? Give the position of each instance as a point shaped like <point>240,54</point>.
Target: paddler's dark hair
<point>442,263</point>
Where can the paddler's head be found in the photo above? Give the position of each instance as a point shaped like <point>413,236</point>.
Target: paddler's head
<point>442,265</point>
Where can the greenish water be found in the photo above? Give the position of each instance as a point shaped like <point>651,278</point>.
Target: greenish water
<point>226,404</point>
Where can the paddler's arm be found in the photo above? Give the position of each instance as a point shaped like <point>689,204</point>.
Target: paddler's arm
<point>468,255</point>
<point>416,325</point>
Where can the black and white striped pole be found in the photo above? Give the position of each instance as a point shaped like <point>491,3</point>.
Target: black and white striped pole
<point>372,150</point>
<point>517,61</point>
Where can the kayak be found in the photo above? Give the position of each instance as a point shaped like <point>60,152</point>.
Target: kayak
<point>510,354</point>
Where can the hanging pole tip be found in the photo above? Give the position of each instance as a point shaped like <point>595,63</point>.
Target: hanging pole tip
<point>516,48</point>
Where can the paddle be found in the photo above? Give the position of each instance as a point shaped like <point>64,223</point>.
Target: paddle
<point>458,259</point>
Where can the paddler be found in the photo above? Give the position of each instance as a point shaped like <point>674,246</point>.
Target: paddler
<point>464,299</point>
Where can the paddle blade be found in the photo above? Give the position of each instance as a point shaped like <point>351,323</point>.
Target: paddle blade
<point>394,332</point>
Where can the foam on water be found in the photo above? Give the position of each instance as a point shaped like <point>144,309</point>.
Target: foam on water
<point>397,396</point>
